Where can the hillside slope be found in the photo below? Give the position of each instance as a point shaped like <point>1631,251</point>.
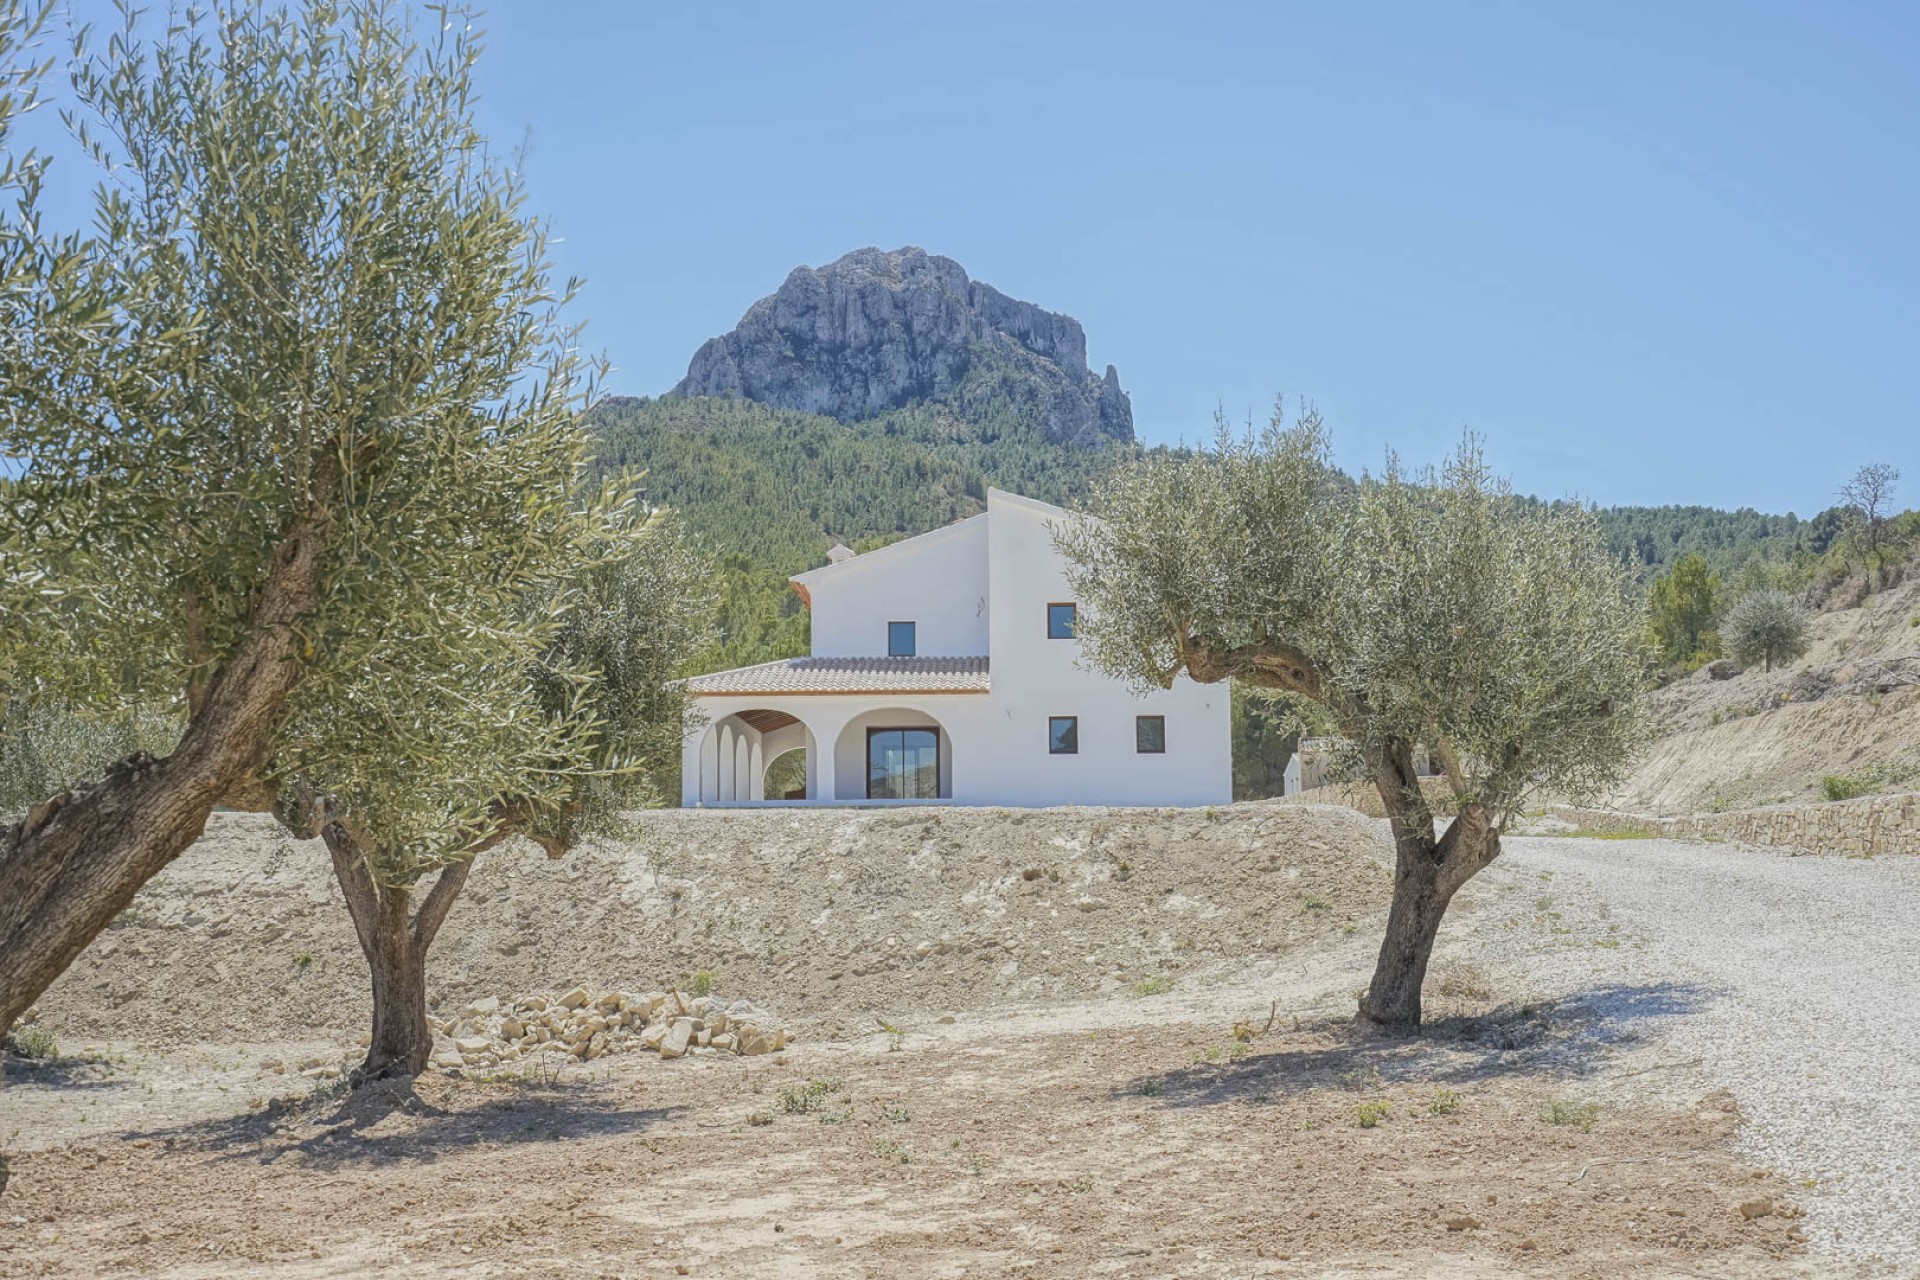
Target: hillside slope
<point>1851,706</point>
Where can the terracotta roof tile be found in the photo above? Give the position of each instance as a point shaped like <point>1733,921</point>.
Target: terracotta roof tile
<point>847,675</point>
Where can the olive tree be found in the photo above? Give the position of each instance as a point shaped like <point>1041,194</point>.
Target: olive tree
<point>1426,609</point>
<point>307,368</point>
<point>545,720</point>
<point>1766,627</point>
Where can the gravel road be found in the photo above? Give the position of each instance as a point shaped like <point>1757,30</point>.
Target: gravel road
<point>1794,982</point>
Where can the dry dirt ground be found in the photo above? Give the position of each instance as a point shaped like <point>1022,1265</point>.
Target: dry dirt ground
<point>1025,1122</point>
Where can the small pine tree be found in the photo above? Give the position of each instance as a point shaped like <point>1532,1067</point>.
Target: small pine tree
<point>1682,608</point>
<point>1766,627</point>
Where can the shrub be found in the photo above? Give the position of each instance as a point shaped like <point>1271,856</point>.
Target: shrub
<point>1847,786</point>
<point>1766,627</point>
<point>1838,786</point>
<point>33,1042</point>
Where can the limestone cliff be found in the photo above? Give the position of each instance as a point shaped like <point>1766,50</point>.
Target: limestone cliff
<point>878,331</point>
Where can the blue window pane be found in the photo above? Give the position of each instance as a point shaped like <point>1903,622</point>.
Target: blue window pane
<point>1060,620</point>
<point>900,640</point>
<point>1063,735</point>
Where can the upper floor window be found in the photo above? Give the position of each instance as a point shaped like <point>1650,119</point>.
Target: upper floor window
<point>1063,735</point>
<point>1150,735</point>
<point>1060,621</point>
<point>900,640</point>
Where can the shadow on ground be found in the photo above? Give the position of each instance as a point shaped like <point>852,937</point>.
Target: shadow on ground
<point>390,1122</point>
<point>1568,1038</point>
<point>66,1071</point>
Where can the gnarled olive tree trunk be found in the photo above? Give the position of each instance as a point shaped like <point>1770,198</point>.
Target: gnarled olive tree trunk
<point>77,860</point>
<point>1427,872</point>
<point>395,938</point>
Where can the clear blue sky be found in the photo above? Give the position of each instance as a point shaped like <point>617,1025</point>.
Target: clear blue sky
<point>1655,253</point>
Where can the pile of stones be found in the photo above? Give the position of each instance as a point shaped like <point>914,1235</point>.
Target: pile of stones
<point>582,1024</point>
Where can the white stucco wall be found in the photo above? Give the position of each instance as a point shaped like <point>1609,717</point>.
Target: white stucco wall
<point>937,581</point>
<point>981,586</point>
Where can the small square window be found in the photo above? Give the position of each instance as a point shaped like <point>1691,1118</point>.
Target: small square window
<point>1063,735</point>
<point>900,640</point>
<point>1060,620</point>
<point>1150,735</point>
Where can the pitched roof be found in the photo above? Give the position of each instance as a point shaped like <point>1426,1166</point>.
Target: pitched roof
<point>905,546</point>
<point>847,675</point>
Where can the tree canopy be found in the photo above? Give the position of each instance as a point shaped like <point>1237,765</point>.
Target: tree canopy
<point>1766,627</point>
<point>307,367</point>
<point>1428,608</point>
<point>1683,608</point>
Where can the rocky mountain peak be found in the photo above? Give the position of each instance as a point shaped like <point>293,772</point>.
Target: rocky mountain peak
<point>876,331</point>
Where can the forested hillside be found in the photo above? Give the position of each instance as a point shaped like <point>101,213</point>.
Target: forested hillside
<point>1652,538</point>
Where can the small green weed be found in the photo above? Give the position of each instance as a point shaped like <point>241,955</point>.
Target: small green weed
<point>895,1114</point>
<point>809,1098</point>
<point>1444,1102</point>
<point>701,984</point>
<point>302,960</point>
<point>1157,986</point>
<point>1576,1115</point>
<point>1370,1114</point>
<point>1360,1078</point>
<point>1151,1087</point>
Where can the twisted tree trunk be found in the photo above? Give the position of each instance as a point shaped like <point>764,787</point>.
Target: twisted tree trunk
<point>395,938</point>
<point>1427,873</point>
<point>77,860</point>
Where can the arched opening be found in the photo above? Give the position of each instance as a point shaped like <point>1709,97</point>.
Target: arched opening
<point>786,775</point>
<point>736,753</point>
<point>893,754</point>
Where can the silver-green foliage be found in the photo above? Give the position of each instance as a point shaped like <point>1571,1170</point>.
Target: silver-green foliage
<point>552,743</point>
<point>47,747</point>
<point>1422,607</point>
<point>311,290</point>
<point>1765,628</point>
<point>311,296</point>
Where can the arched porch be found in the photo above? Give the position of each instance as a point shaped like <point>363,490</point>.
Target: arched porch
<point>736,751</point>
<point>886,755</point>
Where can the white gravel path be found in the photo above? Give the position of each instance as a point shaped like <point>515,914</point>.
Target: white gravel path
<point>1795,981</point>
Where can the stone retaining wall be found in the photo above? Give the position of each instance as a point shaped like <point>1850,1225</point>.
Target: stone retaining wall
<point>1870,824</point>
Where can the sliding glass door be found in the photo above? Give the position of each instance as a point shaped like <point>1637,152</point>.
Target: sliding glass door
<point>903,764</point>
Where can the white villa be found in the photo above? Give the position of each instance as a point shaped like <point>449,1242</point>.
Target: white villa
<point>943,672</point>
